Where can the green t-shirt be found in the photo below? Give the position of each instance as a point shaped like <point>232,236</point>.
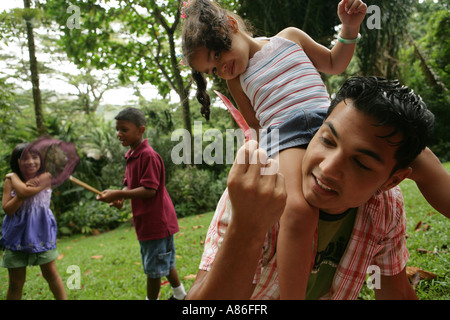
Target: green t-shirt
<point>334,232</point>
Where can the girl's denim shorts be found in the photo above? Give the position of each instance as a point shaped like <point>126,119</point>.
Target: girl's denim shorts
<point>294,132</point>
<point>158,257</point>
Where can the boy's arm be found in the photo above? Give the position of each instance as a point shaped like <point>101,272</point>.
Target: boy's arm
<point>433,181</point>
<point>10,204</point>
<point>114,195</point>
<point>334,61</point>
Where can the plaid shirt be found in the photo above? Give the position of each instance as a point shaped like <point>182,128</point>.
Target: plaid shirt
<point>378,238</point>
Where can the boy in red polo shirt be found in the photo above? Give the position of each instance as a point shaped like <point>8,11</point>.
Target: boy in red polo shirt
<point>154,215</point>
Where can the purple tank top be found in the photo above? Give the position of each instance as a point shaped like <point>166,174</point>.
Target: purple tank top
<point>32,228</point>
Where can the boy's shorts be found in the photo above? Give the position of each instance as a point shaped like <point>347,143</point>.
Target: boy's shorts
<point>296,132</point>
<point>19,259</point>
<point>158,257</point>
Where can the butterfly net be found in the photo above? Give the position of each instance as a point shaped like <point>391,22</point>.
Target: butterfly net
<point>59,158</point>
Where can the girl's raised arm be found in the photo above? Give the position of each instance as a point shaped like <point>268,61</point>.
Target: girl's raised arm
<point>433,181</point>
<point>334,61</point>
<point>243,103</point>
<point>25,190</point>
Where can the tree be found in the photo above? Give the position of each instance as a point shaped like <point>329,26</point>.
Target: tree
<point>159,50</point>
<point>40,122</point>
<point>268,17</point>
<point>378,51</point>
<point>91,88</point>
<point>425,66</point>
<point>138,38</point>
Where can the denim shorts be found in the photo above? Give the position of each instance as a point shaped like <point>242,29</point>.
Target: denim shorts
<point>158,257</point>
<point>297,131</point>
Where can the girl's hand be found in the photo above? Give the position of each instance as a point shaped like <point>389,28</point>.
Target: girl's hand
<point>352,13</point>
<point>44,180</point>
<point>33,182</point>
<point>9,175</point>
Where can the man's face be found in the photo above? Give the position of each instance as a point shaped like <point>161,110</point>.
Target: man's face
<point>347,162</point>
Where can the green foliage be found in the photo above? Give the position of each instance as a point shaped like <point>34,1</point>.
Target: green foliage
<point>424,67</point>
<point>132,39</point>
<point>377,52</point>
<point>195,191</point>
<point>270,17</point>
<point>91,216</point>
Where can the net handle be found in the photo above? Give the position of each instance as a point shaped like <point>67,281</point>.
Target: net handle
<point>84,185</point>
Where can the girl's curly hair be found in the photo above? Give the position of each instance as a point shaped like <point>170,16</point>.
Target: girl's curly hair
<point>206,25</point>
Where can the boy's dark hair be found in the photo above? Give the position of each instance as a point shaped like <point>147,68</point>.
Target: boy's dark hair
<point>133,115</point>
<point>206,25</point>
<point>395,106</point>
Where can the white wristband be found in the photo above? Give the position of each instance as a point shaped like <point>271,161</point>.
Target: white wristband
<point>347,41</point>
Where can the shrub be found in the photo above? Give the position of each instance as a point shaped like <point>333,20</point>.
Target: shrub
<point>195,191</point>
<point>92,217</point>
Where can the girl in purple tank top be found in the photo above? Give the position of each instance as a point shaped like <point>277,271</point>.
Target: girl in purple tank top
<point>29,229</point>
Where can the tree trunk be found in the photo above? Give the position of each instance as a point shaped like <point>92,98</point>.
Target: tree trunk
<point>40,123</point>
<point>432,78</point>
<point>306,19</point>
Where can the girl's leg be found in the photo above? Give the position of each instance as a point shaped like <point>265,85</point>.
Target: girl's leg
<point>17,278</point>
<point>297,228</point>
<point>55,283</point>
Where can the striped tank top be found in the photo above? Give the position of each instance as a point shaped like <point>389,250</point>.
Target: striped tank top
<point>280,80</point>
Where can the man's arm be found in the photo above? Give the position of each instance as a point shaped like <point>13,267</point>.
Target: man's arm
<point>257,204</point>
<point>231,275</point>
<point>395,288</point>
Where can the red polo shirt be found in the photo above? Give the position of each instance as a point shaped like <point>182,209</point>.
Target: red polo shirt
<point>153,218</point>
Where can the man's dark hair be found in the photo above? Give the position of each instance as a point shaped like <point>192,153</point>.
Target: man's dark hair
<point>133,115</point>
<point>395,106</point>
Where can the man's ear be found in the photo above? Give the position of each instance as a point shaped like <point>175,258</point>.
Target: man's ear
<point>396,178</point>
<point>141,129</point>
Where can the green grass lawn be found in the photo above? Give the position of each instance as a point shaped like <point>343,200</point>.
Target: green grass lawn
<point>110,263</point>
